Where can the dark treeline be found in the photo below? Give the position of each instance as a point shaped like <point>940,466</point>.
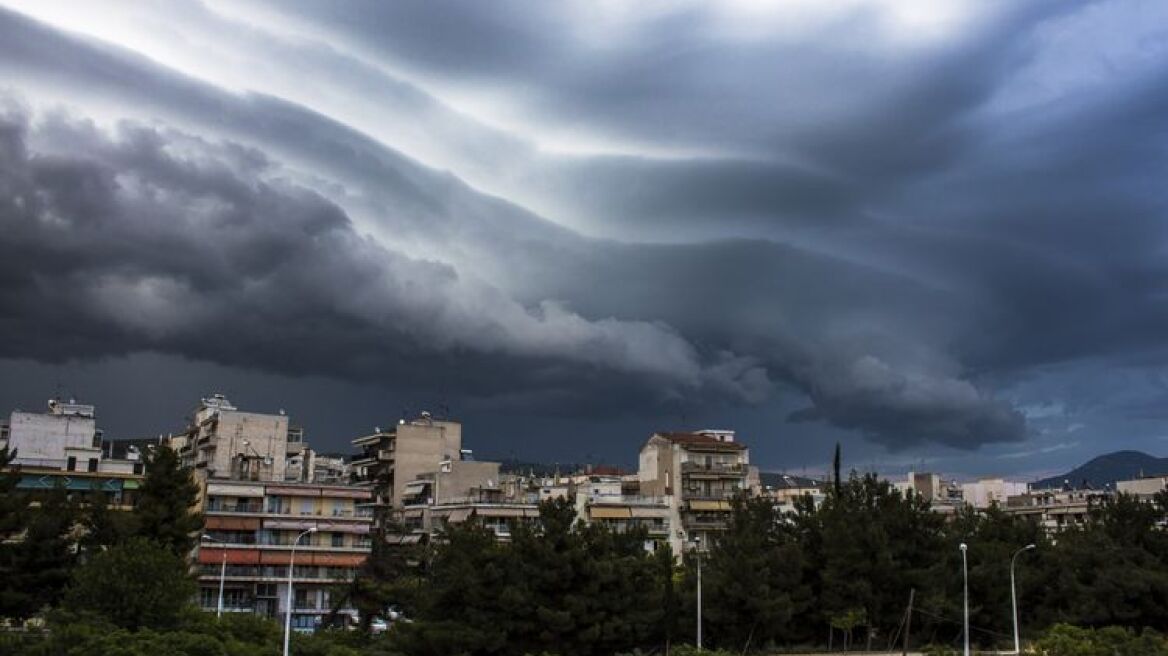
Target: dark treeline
<point>842,572</point>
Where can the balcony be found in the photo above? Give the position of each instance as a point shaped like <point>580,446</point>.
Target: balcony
<point>713,470</point>
<point>704,522</point>
<point>250,507</point>
<point>209,572</point>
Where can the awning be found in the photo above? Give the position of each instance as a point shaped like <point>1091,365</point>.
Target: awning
<point>416,486</point>
<point>458,515</point>
<point>217,523</point>
<point>214,556</point>
<point>602,512</point>
<point>650,512</point>
<point>364,493</point>
<point>131,484</point>
<point>411,538</point>
<point>226,490</point>
<point>294,491</point>
<point>499,512</point>
<point>709,505</point>
<point>49,482</point>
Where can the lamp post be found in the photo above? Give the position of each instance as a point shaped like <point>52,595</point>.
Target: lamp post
<point>222,573</point>
<point>291,600</point>
<point>965,577</point>
<point>1014,596</point>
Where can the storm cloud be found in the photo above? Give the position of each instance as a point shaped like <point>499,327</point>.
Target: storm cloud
<point>896,223</point>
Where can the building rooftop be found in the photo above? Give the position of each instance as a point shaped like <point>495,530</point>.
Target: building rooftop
<point>701,441</point>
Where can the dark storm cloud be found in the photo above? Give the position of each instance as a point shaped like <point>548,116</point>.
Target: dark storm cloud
<point>160,240</point>
<point>902,246</point>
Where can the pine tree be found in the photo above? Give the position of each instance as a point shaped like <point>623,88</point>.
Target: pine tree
<point>37,565</point>
<point>165,508</point>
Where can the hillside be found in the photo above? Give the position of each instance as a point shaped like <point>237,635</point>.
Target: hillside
<point>1107,469</point>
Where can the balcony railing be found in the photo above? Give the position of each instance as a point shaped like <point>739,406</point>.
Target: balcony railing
<point>216,506</point>
<point>309,573</point>
<point>259,509</point>
<point>716,469</point>
<point>709,495</point>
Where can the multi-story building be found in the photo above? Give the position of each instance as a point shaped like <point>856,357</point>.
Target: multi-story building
<point>1056,510</point>
<point>252,526</point>
<point>785,489</point>
<point>991,491</point>
<point>1145,487</point>
<point>224,442</point>
<point>698,473</point>
<point>258,493</point>
<point>66,437</point>
<point>63,448</point>
<point>392,459</point>
<point>608,500</point>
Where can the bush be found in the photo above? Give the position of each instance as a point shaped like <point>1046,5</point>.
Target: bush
<point>1067,640</point>
<point>139,584</point>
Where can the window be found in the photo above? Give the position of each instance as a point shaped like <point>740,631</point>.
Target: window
<point>338,539</point>
<point>71,463</point>
<point>306,507</point>
<point>93,464</point>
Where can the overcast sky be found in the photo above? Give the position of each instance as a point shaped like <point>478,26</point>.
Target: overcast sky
<point>932,231</point>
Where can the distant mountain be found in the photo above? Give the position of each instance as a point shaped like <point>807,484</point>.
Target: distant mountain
<point>1107,469</point>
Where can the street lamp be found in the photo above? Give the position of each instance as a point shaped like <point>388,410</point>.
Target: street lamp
<point>222,573</point>
<point>698,553</point>
<point>291,566</point>
<point>1014,596</point>
<point>965,577</point>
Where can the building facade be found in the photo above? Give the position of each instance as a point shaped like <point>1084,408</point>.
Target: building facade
<point>697,474</point>
<point>252,526</point>
<point>390,460</point>
<point>224,442</point>
<point>63,448</point>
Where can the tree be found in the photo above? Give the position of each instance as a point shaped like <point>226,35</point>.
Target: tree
<point>755,572</point>
<point>165,505</point>
<point>38,562</point>
<point>134,585</point>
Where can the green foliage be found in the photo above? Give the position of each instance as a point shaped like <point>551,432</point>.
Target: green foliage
<point>755,572</point>
<point>35,567</point>
<point>557,587</point>
<point>136,584</point>
<point>165,506</point>
<point>1066,640</point>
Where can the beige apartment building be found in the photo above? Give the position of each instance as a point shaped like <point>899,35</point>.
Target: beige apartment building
<point>224,442</point>
<point>390,460</point>
<point>697,473</point>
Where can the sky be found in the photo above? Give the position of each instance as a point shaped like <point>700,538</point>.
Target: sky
<point>934,232</point>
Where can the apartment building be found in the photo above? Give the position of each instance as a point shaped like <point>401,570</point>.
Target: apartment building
<point>223,442</point>
<point>697,473</point>
<point>986,492</point>
<point>1056,510</point>
<point>785,489</point>
<point>389,460</point>
<point>609,500</point>
<point>252,526</point>
<point>1145,487</point>
<point>64,448</point>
